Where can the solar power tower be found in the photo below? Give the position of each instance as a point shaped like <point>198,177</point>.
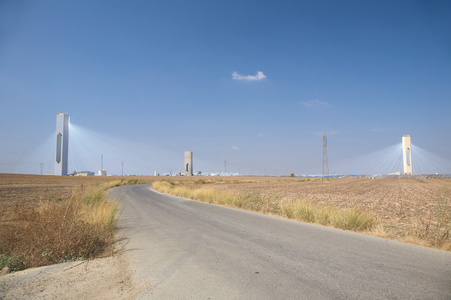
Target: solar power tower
<point>407,154</point>
<point>62,143</point>
<point>188,163</point>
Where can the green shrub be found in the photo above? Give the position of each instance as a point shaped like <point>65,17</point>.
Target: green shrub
<point>14,263</point>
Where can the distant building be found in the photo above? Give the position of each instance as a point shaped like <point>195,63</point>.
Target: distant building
<point>84,173</point>
<point>102,172</point>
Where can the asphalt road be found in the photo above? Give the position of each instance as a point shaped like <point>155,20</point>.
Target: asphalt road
<point>191,250</point>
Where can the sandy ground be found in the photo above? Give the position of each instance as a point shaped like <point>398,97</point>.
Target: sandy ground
<point>103,278</point>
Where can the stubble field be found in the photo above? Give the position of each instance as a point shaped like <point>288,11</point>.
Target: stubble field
<point>415,210</point>
<point>407,209</point>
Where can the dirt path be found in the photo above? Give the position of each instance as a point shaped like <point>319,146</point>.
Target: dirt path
<point>103,278</point>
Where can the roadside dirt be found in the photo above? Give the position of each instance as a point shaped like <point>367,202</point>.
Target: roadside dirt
<point>102,278</point>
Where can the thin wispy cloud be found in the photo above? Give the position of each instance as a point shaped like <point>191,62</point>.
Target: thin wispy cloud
<point>381,129</point>
<point>235,148</point>
<point>259,76</point>
<point>315,103</point>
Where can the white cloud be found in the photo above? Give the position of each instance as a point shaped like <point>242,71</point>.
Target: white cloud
<point>235,148</point>
<point>315,103</point>
<point>381,129</point>
<point>259,76</point>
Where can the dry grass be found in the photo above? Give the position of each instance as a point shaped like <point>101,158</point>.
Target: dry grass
<point>413,210</point>
<point>47,219</point>
<point>349,219</point>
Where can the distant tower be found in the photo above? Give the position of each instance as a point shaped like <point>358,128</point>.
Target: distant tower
<point>188,163</point>
<point>407,155</point>
<point>325,159</point>
<point>62,143</point>
<point>102,171</point>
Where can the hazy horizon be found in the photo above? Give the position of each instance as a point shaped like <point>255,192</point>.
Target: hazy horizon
<point>252,83</point>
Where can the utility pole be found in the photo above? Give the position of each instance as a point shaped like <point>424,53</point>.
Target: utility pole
<point>42,165</point>
<point>122,169</point>
<point>225,167</point>
<point>325,159</point>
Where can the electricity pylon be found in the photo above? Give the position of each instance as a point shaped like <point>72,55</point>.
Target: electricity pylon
<point>325,159</point>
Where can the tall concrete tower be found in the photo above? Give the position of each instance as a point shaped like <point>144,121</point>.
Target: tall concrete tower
<point>188,163</point>
<point>62,143</point>
<point>407,154</point>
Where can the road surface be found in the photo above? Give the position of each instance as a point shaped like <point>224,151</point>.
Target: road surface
<point>183,249</point>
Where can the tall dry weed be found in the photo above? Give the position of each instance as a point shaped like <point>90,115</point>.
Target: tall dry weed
<point>434,231</point>
<point>80,227</point>
<point>349,219</point>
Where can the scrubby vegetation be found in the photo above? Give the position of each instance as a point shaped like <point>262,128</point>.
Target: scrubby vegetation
<point>349,219</point>
<point>48,219</point>
<point>414,210</point>
<point>58,230</point>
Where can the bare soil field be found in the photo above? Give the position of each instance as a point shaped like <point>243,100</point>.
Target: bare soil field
<point>415,210</point>
<point>18,191</point>
<point>28,189</point>
<point>25,190</point>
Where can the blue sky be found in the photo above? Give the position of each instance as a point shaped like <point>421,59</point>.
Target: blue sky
<point>252,83</point>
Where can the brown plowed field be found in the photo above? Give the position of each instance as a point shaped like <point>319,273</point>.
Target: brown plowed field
<point>416,210</point>
<point>26,191</point>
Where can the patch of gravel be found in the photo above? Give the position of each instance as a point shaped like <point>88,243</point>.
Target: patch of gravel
<point>103,278</point>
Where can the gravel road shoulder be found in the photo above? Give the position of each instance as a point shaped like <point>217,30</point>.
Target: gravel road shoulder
<point>103,278</point>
